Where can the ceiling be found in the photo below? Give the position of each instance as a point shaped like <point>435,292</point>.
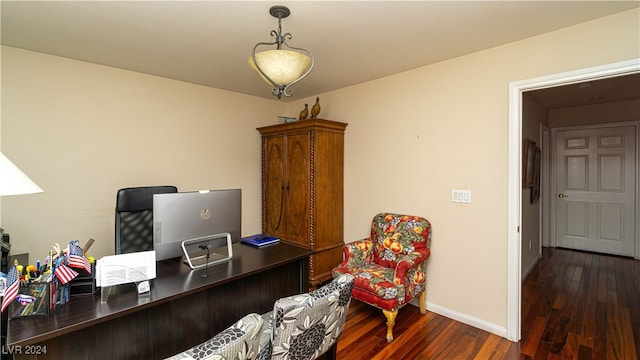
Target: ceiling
<point>209,42</point>
<point>612,89</point>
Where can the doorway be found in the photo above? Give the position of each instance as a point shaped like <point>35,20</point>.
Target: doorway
<point>516,89</point>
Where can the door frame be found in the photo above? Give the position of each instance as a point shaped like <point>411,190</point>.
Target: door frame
<point>545,208</point>
<point>514,207</point>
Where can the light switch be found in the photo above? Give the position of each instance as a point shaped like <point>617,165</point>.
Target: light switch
<point>461,196</point>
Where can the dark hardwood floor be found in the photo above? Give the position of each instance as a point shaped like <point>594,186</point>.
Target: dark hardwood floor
<point>575,305</point>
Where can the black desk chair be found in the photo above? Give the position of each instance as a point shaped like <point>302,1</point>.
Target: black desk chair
<point>134,217</point>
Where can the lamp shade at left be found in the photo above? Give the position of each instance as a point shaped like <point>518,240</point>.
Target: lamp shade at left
<point>13,181</point>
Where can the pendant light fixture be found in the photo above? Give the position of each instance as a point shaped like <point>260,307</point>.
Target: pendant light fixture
<point>281,68</point>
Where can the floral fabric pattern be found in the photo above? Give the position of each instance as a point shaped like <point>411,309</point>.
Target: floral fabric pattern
<point>305,326</point>
<point>266,346</point>
<point>238,342</point>
<point>389,266</point>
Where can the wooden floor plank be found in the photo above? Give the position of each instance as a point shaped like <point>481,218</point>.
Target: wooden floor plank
<point>571,347</point>
<point>402,344</point>
<point>587,333</point>
<point>434,328</point>
<point>535,336</point>
<point>578,313</point>
<point>489,348</point>
<point>585,352</point>
<point>552,326</point>
<point>542,352</point>
<point>600,339</point>
<point>620,342</point>
<point>560,340</point>
<point>632,271</point>
<point>602,284</point>
<point>440,347</point>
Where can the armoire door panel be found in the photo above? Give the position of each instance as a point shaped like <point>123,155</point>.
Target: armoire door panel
<point>274,186</point>
<point>298,167</point>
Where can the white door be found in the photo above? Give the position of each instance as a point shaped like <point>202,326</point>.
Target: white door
<point>595,189</point>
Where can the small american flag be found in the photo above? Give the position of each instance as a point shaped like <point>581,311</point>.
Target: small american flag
<point>65,273</point>
<point>77,258</point>
<point>11,291</point>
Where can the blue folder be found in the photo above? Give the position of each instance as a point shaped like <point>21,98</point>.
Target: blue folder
<point>259,240</point>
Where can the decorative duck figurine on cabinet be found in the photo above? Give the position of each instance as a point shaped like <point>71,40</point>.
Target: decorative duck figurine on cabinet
<point>304,113</point>
<point>315,109</point>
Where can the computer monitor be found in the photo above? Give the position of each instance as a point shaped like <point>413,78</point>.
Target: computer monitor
<point>189,215</point>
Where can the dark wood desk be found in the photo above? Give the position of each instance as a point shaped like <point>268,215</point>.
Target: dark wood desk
<point>183,310</point>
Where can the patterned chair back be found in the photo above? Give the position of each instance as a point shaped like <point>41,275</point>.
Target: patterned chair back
<point>305,326</point>
<point>395,235</point>
<point>240,341</point>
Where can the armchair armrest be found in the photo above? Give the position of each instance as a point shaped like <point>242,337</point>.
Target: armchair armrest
<point>408,262</point>
<point>357,253</point>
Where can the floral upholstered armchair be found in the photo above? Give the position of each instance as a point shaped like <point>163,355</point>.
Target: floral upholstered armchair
<point>389,266</point>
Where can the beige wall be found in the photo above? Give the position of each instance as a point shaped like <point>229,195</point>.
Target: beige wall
<point>82,131</point>
<point>412,137</point>
<point>620,111</point>
<point>532,116</point>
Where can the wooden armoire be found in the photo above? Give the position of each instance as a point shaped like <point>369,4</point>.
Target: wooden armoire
<point>302,189</point>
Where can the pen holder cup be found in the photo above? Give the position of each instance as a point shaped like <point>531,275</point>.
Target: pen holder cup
<point>39,298</point>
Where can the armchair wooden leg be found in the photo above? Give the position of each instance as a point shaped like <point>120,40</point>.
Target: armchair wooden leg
<point>422,299</point>
<point>391,320</point>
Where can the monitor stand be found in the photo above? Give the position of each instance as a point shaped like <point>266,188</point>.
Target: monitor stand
<point>207,250</point>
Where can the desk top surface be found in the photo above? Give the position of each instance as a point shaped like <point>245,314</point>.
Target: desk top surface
<point>173,280</point>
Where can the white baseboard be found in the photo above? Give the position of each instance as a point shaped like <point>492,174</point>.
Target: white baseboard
<point>464,318</point>
<point>527,271</point>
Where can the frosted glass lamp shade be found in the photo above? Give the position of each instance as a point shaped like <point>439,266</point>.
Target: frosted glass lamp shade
<point>13,181</point>
<point>282,66</point>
